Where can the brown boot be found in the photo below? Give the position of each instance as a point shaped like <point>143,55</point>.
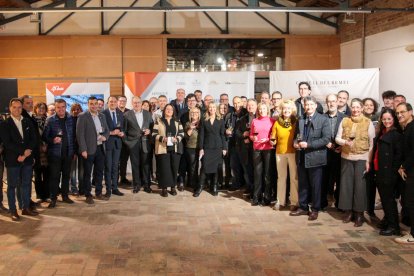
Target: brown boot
<point>347,217</point>
<point>359,219</point>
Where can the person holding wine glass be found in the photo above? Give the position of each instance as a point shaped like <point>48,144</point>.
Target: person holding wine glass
<point>283,134</point>
<point>312,135</point>
<point>92,132</point>
<point>168,134</point>
<point>355,135</point>
<point>213,146</point>
<point>60,138</point>
<point>115,120</point>
<point>260,130</point>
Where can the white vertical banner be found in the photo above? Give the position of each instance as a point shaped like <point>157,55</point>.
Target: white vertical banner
<point>360,83</point>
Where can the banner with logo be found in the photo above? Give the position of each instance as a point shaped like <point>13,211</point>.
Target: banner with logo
<point>73,92</point>
<point>360,83</point>
<point>147,85</point>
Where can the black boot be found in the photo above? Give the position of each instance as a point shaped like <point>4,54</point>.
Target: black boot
<point>198,191</point>
<point>214,185</point>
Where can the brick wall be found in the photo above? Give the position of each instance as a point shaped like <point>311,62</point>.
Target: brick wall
<point>377,22</point>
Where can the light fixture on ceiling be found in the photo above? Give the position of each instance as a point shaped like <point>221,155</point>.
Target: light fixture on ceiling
<point>349,18</point>
<point>260,54</point>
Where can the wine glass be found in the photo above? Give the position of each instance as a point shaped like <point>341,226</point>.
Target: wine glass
<point>118,125</point>
<point>59,133</point>
<point>102,131</point>
<point>299,139</point>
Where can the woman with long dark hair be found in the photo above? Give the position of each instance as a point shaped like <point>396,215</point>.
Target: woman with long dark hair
<point>387,161</point>
<point>213,146</point>
<point>168,134</point>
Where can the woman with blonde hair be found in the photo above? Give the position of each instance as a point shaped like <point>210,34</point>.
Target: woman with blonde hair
<point>191,137</point>
<point>283,134</point>
<point>213,146</point>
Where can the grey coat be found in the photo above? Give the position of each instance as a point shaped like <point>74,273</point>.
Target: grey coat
<point>318,137</point>
<point>133,132</point>
<point>86,132</point>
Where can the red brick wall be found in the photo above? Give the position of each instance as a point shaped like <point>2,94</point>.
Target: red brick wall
<point>377,22</point>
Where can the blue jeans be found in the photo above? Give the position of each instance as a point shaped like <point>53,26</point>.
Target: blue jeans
<point>111,169</point>
<point>19,177</point>
<point>76,174</point>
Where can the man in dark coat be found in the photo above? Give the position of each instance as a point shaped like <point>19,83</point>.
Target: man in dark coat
<point>305,91</point>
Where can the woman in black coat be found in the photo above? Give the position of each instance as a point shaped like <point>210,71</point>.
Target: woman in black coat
<point>213,146</point>
<point>387,161</point>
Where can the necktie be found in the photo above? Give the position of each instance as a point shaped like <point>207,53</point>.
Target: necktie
<point>114,118</point>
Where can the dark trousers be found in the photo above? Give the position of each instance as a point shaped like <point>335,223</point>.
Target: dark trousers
<point>261,163</point>
<point>167,169</point>
<point>96,160</point>
<point>41,180</point>
<point>236,168</point>
<point>310,185</point>
<point>59,172</point>
<point>273,176</point>
<point>404,213</point>
<point>371,190</point>
<point>331,178</point>
<point>1,178</point>
<point>211,178</point>
<point>409,197</point>
<point>182,169</point>
<point>140,163</point>
<point>123,162</point>
<point>248,170</point>
<point>19,177</point>
<point>227,171</point>
<point>191,156</point>
<point>111,169</point>
<point>386,189</point>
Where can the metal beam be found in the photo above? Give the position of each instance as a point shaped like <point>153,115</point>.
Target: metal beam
<point>303,14</point>
<point>165,24</point>
<point>210,18</point>
<point>265,19</point>
<point>63,19</point>
<point>287,23</point>
<point>107,32</point>
<point>23,15</point>
<point>306,3</point>
<point>253,3</point>
<point>102,19</point>
<point>227,18</point>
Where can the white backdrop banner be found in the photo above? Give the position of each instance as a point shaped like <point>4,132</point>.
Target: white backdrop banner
<point>360,83</point>
<point>149,85</point>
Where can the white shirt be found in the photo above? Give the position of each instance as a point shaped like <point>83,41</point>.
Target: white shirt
<point>140,118</point>
<point>98,126</point>
<point>18,124</point>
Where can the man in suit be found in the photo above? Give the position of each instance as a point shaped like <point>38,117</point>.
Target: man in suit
<point>137,126</point>
<point>115,120</point>
<point>343,107</point>
<point>122,101</point>
<point>332,171</point>
<point>312,135</point>
<point>179,104</point>
<point>305,91</point>
<point>224,99</point>
<point>2,208</point>
<point>59,134</point>
<point>199,98</point>
<point>41,186</point>
<point>19,140</point>
<point>92,132</point>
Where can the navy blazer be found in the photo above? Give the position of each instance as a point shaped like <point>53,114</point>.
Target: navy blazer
<point>319,135</point>
<point>177,111</point>
<point>114,142</point>
<point>14,144</point>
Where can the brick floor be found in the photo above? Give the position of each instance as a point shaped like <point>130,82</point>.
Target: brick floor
<point>145,234</point>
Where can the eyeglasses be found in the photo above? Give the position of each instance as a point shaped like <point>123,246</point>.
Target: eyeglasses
<point>402,112</point>
<point>276,99</point>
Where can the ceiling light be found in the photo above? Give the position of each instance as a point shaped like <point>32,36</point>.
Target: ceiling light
<point>260,54</point>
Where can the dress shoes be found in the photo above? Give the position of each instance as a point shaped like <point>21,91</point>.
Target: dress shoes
<point>198,191</point>
<point>299,212</point>
<point>359,219</point>
<point>67,200</point>
<point>107,195</point>
<point>255,203</point>
<point>117,192</point>
<point>52,204</point>
<point>14,216</point>
<point>173,191</point>
<point>148,190</point>
<point>135,190</point>
<point>2,208</point>
<point>101,197</point>
<point>383,224</point>
<point>125,182</point>
<point>28,212</point>
<point>390,232</point>
<point>89,200</point>
<point>348,216</point>
<point>293,208</point>
<point>181,187</point>
<point>313,216</point>
<point>164,192</point>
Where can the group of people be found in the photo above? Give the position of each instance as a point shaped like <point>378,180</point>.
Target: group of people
<point>279,150</point>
